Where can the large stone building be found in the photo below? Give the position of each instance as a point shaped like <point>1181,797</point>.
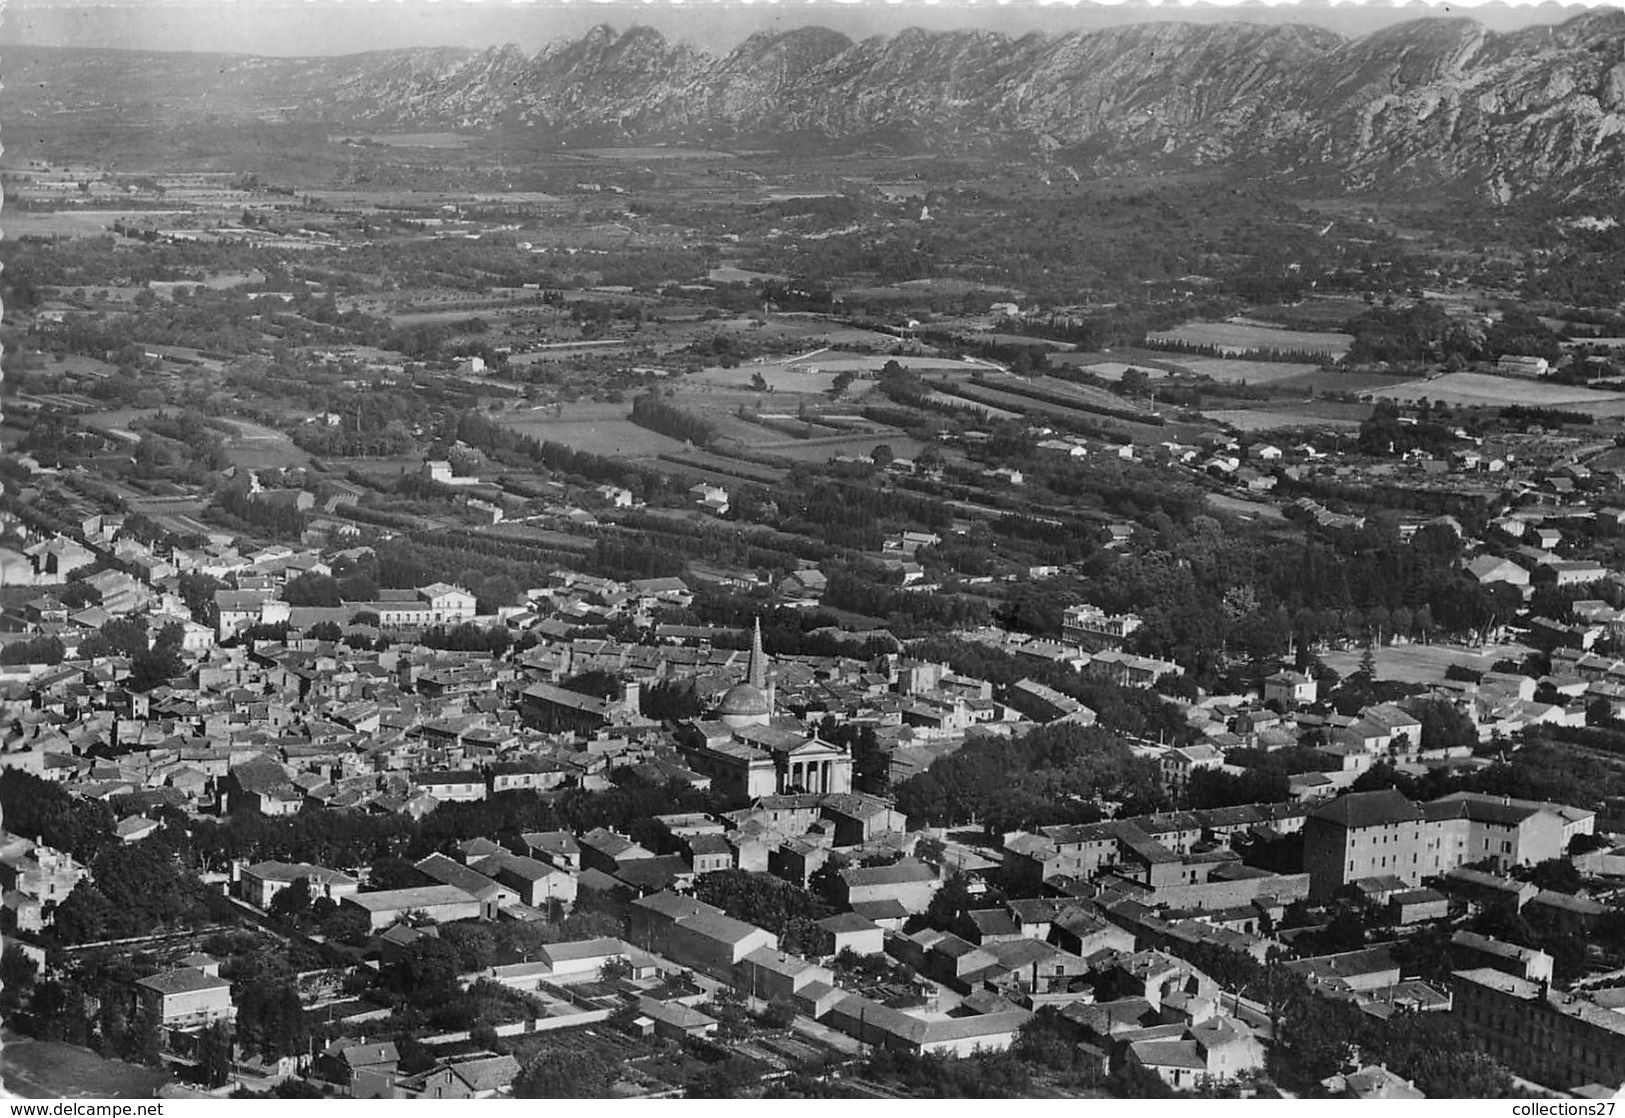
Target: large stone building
<point>750,751</point>
<point>1373,834</point>
<point>1558,1040</point>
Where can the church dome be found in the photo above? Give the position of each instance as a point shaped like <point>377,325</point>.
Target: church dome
<point>744,700</point>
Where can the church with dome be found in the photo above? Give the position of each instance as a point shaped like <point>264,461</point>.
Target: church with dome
<point>750,701</point>
<point>749,750</point>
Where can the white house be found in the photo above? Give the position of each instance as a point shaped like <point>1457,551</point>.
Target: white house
<point>714,498</point>
<point>1290,688</point>
<point>447,603</point>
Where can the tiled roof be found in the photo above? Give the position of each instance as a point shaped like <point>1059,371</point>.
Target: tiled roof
<point>426,896</point>
<point>182,980</point>
<point>448,872</point>
<point>847,922</point>
<point>1369,809</point>
<point>489,1074</point>
<point>899,873</point>
<point>1169,1054</point>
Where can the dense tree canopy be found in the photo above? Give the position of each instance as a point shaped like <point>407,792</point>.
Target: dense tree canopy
<point>761,899</point>
<point>566,1074</point>
<point>1054,774</point>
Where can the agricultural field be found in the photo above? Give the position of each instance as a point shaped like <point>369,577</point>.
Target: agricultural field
<point>733,467</point>
<point>1024,340</point>
<point>1486,390</point>
<point>814,373</point>
<point>835,360</point>
<point>1424,663</point>
<point>1080,408</point>
<point>1247,510</point>
<point>526,532</point>
<point>822,450</point>
<point>260,448</point>
<point>1086,395</point>
<point>1032,409</point>
<point>564,351</point>
<point>119,419</point>
<point>1232,371</point>
<point>1113,370</point>
<point>417,317</point>
<point>780,377</point>
<point>1322,313</point>
<point>1244,336</point>
<point>730,428</point>
<point>596,428</point>
<point>1336,381</point>
<point>1610,460</point>
<point>75,223</point>
<point>831,333</point>
<point>1249,420</point>
<point>794,333</point>
<point>943,399</point>
<point>382,468</point>
<point>340,198</point>
<point>729,274</point>
<point>939,285</point>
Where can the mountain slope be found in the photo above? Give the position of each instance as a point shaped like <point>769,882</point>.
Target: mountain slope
<point>1432,102</point>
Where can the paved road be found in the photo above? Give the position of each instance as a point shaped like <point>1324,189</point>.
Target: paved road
<point>1251,1012</point>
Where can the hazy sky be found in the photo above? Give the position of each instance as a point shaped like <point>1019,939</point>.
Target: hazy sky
<point>308,27</point>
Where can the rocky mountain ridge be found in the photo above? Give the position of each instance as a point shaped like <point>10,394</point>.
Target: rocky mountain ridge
<point>1431,102</point>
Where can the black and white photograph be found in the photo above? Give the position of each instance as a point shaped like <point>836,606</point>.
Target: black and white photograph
<point>812,551</point>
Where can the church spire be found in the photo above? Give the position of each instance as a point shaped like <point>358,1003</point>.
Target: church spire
<point>756,673</point>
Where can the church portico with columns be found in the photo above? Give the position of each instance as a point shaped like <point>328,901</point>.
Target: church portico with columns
<point>816,766</point>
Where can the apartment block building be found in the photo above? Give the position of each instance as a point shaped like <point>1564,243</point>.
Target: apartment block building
<point>1371,834</point>
<point>1557,1039</point>
<point>1093,628</point>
